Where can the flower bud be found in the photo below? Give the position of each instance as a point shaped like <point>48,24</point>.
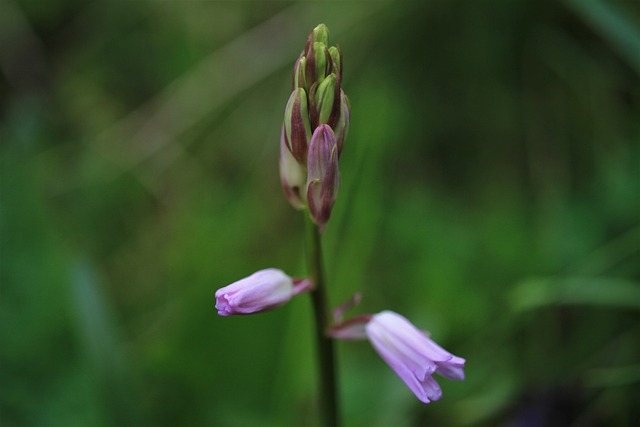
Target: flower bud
<point>298,73</point>
<point>292,174</point>
<point>322,177</point>
<point>341,128</point>
<point>336,60</point>
<point>318,63</point>
<point>320,34</point>
<point>296,123</point>
<point>324,99</point>
<point>262,291</point>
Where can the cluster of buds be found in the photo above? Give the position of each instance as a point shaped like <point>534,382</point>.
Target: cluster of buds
<point>316,122</point>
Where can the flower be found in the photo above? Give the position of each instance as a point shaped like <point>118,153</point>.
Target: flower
<point>262,291</point>
<point>407,350</point>
<point>412,355</point>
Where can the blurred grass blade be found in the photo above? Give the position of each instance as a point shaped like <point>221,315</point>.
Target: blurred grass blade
<point>608,255</point>
<point>612,292</point>
<point>98,334</point>
<point>613,25</point>
<point>612,377</point>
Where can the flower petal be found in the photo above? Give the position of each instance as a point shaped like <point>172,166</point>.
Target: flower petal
<point>423,389</point>
<point>263,290</point>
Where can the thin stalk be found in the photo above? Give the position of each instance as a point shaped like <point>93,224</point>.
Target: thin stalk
<point>326,353</point>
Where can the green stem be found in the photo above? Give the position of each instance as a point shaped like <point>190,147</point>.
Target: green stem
<point>326,353</point>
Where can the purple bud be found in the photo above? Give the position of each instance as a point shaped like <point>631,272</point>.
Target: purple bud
<point>297,127</point>
<point>322,176</point>
<point>292,174</point>
<point>263,290</point>
<point>412,355</point>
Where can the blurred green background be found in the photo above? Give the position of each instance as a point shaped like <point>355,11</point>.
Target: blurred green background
<point>491,194</point>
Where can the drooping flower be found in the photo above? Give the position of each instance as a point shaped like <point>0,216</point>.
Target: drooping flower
<point>407,350</point>
<point>262,291</point>
<point>413,355</point>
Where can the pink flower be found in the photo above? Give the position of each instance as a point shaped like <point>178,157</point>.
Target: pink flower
<point>262,291</point>
<point>412,355</point>
<point>407,350</point>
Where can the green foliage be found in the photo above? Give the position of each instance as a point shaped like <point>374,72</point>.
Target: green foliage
<point>490,193</point>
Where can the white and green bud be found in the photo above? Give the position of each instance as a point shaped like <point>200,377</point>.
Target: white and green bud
<point>297,126</point>
<point>324,99</point>
<point>292,175</point>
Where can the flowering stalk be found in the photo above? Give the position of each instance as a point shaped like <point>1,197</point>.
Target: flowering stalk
<point>315,126</point>
<point>327,373</point>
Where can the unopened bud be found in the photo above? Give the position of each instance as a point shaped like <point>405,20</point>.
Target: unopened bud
<point>296,123</point>
<point>321,34</point>
<point>292,174</point>
<point>322,177</point>
<point>324,98</point>
<point>318,61</point>
<point>336,60</point>
<point>298,73</point>
<point>341,129</point>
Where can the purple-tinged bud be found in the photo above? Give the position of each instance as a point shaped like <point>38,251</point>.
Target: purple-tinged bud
<point>296,123</point>
<point>298,73</point>
<point>341,128</point>
<point>336,61</point>
<point>262,291</point>
<point>323,179</point>
<point>292,175</point>
<point>318,63</point>
<point>324,98</point>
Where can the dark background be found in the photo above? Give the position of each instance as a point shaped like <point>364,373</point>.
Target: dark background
<point>491,194</point>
